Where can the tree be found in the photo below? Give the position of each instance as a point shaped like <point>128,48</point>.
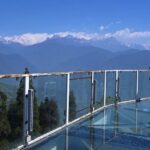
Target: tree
<point>72,106</point>
<point>4,123</point>
<point>49,116</point>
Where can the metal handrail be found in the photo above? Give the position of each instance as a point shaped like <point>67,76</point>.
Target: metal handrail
<point>70,72</point>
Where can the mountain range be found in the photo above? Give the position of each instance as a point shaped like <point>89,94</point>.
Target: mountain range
<point>70,54</point>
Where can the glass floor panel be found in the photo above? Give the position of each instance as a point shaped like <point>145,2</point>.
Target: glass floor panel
<point>124,127</point>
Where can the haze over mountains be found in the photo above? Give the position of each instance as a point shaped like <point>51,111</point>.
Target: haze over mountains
<point>71,53</point>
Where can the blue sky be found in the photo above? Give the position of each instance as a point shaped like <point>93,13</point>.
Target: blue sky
<point>38,16</point>
<point>33,21</point>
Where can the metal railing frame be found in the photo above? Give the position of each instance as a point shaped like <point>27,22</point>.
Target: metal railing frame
<point>68,79</point>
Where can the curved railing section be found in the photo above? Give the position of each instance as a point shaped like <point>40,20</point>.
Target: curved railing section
<point>34,106</point>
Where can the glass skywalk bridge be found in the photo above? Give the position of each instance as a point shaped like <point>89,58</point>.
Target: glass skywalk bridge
<point>90,110</point>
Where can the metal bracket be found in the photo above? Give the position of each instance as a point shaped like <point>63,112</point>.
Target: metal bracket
<point>138,100</point>
<point>30,109</point>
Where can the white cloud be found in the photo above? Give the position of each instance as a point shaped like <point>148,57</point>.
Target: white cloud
<point>102,28</point>
<point>126,36</point>
<point>28,38</point>
<point>79,35</point>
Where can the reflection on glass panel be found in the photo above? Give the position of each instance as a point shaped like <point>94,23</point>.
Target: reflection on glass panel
<point>57,142</point>
<point>103,122</point>
<point>49,103</point>
<point>110,87</point>
<point>83,138</point>
<point>88,134</point>
<point>127,86</point>
<point>143,117</point>
<point>80,95</point>
<point>144,109</point>
<point>127,118</point>
<point>144,84</point>
<point>99,89</point>
<point>11,112</point>
<point>109,126</point>
<point>134,118</point>
<point>114,127</point>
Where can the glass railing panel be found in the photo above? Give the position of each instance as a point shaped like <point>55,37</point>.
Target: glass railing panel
<point>143,116</point>
<point>110,87</point>
<point>80,95</point>
<point>99,89</point>
<point>144,84</point>
<point>57,142</point>
<point>89,133</point>
<point>11,112</point>
<point>134,117</point>
<point>49,103</point>
<point>103,123</point>
<point>106,129</point>
<point>126,118</point>
<point>109,127</point>
<point>127,85</point>
<point>83,137</point>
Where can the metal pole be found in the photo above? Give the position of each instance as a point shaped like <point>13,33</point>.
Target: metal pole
<point>137,83</point>
<point>117,87</point>
<point>68,94</point>
<point>105,82</point>
<point>92,93</point>
<point>116,119</point>
<point>136,117</point>
<point>25,112</point>
<point>104,128</point>
<point>67,139</point>
<point>30,109</point>
<point>137,97</point>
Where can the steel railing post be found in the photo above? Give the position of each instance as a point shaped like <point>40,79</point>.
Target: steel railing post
<point>92,92</point>
<point>25,112</point>
<point>137,84</point>
<point>68,94</point>
<point>117,87</point>
<point>105,83</point>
